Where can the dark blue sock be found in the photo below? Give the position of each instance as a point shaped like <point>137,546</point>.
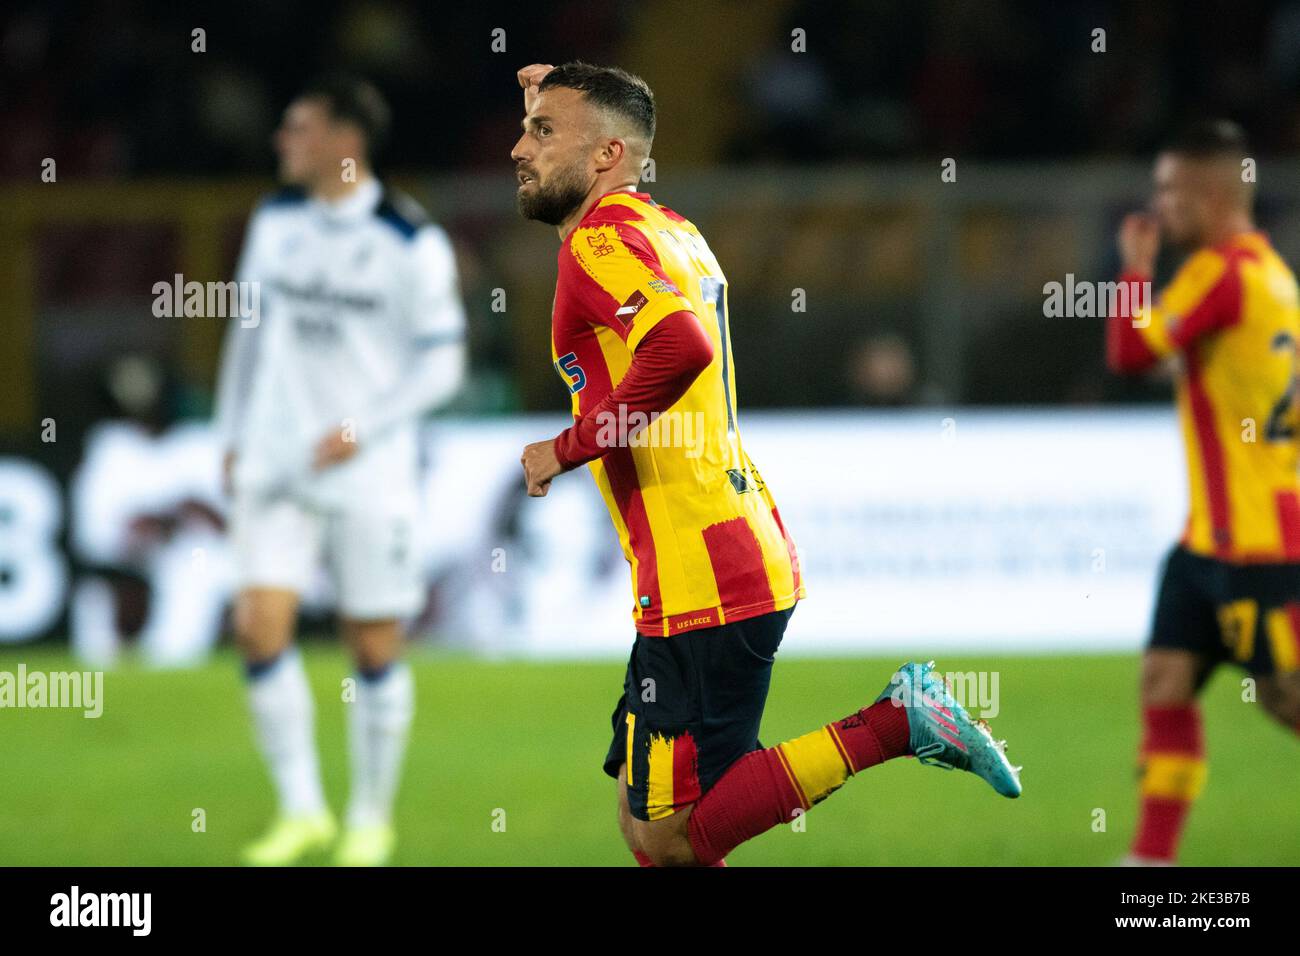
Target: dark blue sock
<point>255,670</point>
<point>373,674</point>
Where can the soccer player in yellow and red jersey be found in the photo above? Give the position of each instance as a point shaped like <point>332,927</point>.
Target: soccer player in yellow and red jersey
<point>1230,589</point>
<point>639,336</point>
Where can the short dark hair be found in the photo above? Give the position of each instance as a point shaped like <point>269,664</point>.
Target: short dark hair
<point>608,87</point>
<point>1210,139</point>
<point>351,99</point>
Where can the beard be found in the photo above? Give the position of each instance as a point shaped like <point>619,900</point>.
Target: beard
<point>556,201</point>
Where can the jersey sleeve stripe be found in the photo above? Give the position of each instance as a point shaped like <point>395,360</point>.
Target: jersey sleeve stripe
<point>1210,451</point>
<point>435,339</point>
<point>1288,522</point>
<point>1220,308</point>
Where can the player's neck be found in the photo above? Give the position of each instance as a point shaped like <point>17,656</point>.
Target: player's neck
<point>1229,229</point>
<point>589,200</point>
<point>334,188</point>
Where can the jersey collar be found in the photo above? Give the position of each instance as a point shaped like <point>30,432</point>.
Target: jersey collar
<point>356,205</point>
<point>644,197</point>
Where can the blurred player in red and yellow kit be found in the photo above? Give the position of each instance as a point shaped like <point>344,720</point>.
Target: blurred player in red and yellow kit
<point>1230,590</point>
<point>640,338</point>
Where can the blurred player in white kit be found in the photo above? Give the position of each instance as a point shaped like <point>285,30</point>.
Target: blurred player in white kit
<point>360,332</point>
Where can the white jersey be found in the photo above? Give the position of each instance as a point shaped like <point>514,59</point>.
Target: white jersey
<point>360,328</point>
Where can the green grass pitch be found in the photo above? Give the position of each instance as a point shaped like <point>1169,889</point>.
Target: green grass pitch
<point>528,738</point>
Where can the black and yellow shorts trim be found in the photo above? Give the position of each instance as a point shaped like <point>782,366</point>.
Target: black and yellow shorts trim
<point>1248,614</point>
<point>691,707</point>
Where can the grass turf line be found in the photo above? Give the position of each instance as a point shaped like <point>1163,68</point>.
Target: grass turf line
<point>528,739</point>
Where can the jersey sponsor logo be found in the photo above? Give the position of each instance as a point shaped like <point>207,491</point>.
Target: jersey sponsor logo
<point>318,293</point>
<point>663,286</point>
<point>571,372</point>
<point>628,310</point>
<point>317,329</point>
<point>739,481</point>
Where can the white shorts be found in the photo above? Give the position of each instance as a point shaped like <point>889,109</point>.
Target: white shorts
<point>372,554</point>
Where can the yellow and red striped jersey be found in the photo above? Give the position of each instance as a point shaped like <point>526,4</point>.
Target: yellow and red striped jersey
<point>1233,313</point>
<point>696,521</point>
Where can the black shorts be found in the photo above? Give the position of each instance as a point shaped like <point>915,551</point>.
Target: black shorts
<point>690,708</point>
<point>1247,614</point>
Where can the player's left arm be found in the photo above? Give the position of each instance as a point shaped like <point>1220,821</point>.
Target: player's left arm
<point>1204,297</point>
<point>436,322</point>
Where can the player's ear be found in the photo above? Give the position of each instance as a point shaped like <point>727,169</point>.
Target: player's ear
<point>611,153</point>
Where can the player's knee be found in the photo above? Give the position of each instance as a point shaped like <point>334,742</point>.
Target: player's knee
<point>370,658</point>
<point>374,644</point>
<point>1168,680</point>
<point>1280,699</point>
<point>665,841</point>
<point>669,852</point>
<point>255,644</point>
<point>263,629</point>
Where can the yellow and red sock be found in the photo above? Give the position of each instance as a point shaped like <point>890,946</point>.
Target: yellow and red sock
<point>764,788</point>
<point>1172,775</point>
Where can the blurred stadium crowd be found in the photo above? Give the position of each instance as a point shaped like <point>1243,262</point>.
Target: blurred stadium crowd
<point>911,291</point>
<point>105,84</point>
<point>910,296</point>
<point>116,93</point>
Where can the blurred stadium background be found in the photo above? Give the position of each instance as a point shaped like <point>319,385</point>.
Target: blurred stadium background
<point>961,475</point>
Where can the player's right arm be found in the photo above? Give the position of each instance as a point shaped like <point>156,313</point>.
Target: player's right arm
<point>1203,297</point>
<point>530,77</point>
<point>611,275</point>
